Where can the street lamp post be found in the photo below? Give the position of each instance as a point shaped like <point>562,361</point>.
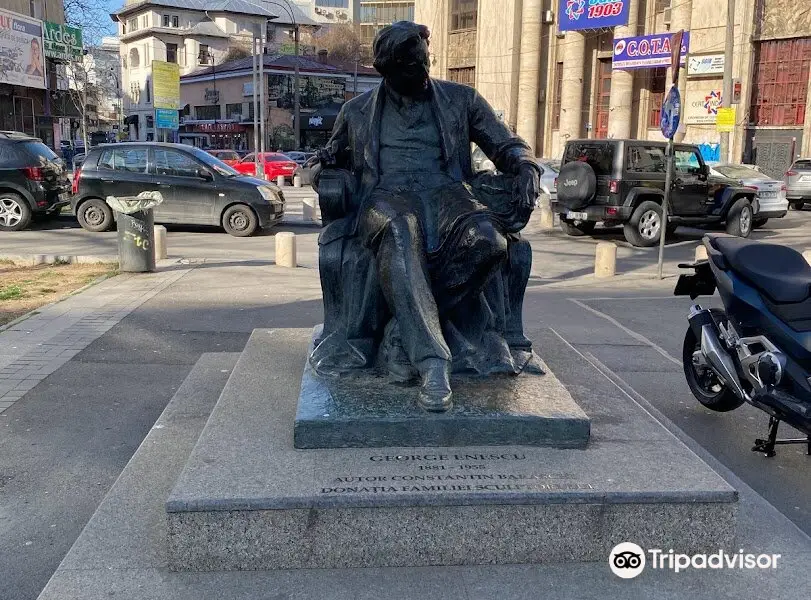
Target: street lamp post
<point>120,106</point>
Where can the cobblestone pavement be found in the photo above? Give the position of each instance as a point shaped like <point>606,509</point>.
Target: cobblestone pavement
<point>35,347</point>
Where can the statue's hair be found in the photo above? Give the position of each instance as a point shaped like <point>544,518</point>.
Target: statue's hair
<point>391,37</point>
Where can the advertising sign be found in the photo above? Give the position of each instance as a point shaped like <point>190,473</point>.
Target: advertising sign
<point>166,84</point>
<point>591,14</point>
<point>725,122</point>
<point>705,64</point>
<point>22,61</point>
<point>166,118</point>
<point>647,51</point>
<point>701,108</point>
<point>62,41</point>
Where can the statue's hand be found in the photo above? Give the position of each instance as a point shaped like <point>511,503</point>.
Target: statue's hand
<point>327,159</point>
<point>526,188</point>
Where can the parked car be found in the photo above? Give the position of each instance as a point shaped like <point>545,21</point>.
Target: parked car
<point>298,157</point>
<point>197,188</point>
<point>622,182</point>
<point>549,177</point>
<point>229,157</point>
<point>33,180</point>
<point>798,183</point>
<point>275,164</point>
<point>771,193</point>
<point>308,170</point>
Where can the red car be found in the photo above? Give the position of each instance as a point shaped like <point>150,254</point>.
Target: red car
<point>229,157</point>
<point>275,164</point>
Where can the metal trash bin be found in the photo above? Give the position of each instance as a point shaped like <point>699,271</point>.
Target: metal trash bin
<point>136,230</point>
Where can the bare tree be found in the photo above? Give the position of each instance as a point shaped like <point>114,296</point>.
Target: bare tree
<point>343,43</point>
<point>91,16</point>
<point>85,92</point>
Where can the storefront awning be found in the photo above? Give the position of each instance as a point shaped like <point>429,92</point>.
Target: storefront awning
<point>131,120</point>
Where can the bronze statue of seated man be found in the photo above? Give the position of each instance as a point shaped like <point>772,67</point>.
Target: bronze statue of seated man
<point>423,270</point>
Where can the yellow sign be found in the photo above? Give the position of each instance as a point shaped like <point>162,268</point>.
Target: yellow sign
<point>725,121</point>
<point>166,84</point>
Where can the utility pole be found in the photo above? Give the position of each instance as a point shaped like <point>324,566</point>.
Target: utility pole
<point>297,92</point>
<point>262,107</point>
<point>726,95</point>
<point>255,108</point>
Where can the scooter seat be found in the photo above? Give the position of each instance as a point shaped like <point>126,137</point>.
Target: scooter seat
<point>779,272</point>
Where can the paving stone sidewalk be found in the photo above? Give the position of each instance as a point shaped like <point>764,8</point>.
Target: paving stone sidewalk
<point>35,347</point>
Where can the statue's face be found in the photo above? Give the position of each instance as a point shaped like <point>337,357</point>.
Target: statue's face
<point>409,71</point>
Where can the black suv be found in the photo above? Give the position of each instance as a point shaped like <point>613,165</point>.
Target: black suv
<point>197,188</point>
<point>623,181</point>
<point>33,180</point>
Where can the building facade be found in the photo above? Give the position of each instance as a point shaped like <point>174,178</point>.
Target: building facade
<point>219,111</point>
<point>191,34</point>
<point>373,15</point>
<point>552,86</point>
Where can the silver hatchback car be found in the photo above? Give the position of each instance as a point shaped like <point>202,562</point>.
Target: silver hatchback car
<point>798,183</point>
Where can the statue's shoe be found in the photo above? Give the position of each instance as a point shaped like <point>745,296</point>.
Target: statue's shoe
<point>435,392</point>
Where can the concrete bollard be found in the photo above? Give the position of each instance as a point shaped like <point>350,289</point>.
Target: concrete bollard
<point>280,180</point>
<point>547,219</point>
<point>286,249</point>
<point>701,253</point>
<point>308,210</point>
<point>605,260</point>
<point>807,256</point>
<point>160,242</point>
<point>296,181</point>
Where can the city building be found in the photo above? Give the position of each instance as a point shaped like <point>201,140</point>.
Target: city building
<point>191,34</point>
<point>28,78</point>
<point>218,109</point>
<point>328,12</point>
<point>373,15</point>
<point>554,85</point>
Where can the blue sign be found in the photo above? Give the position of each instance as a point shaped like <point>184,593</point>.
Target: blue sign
<point>671,113</point>
<point>591,14</point>
<point>647,51</point>
<point>166,118</point>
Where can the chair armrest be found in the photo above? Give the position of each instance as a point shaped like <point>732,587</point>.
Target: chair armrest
<point>335,188</point>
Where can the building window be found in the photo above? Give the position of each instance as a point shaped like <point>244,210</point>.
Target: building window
<point>166,20</point>
<point>657,79</point>
<point>333,3</point>
<point>466,75</point>
<point>463,14</point>
<point>233,111</point>
<point>135,60</point>
<point>385,13</point>
<point>148,92</point>
<point>780,83</point>
<point>556,99</point>
<point>132,25</point>
<point>204,56</point>
<point>175,21</point>
<point>171,53</point>
<point>208,112</point>
<point>135,92</point>
<point>150,121</point>
<point>35,7</point>
<point>144,21</point>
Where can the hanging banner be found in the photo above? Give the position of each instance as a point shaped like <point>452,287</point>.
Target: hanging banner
<point>62,41</point>
<point>591,14</point>
<point>22,61</point>
<point>166,84</point>
<point>647,51</point>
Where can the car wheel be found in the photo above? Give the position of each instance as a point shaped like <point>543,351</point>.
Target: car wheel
<point>756,223</point>
<point>15,214</point>
<point>584,228</point>
<point>239,221</point>
<point>95,215</point>
<point>739,218</point>
<point>645,225</point>
<point>797,204</point>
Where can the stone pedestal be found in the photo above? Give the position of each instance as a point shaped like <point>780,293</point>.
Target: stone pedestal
<point>248,500</point>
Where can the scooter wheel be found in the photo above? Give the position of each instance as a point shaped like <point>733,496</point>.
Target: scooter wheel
<point>703,382</point>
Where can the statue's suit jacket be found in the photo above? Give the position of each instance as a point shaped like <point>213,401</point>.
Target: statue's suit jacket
<point>462,116</point>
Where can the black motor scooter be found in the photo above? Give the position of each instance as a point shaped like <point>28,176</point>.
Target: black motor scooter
<point>758,349</point>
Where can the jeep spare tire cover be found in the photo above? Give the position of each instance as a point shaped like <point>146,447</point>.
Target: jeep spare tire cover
<point>577,185</point>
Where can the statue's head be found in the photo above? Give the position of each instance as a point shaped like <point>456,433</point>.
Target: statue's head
<point>401,56</point>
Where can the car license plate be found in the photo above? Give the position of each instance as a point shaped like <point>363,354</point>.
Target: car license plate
<point>577,216</point>
<point>767,195</point>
